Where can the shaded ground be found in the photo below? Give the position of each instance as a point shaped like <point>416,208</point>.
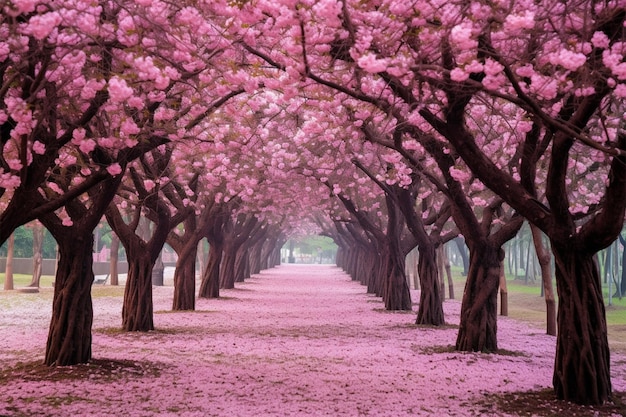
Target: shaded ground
<point>296,340</point>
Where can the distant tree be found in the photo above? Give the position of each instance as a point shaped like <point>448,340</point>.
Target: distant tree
<point>38,238</point>
<point>8,270</point>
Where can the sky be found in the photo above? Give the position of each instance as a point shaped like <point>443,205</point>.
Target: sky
<point>296,340</point>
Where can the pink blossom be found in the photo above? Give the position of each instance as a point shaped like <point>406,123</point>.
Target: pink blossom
<point>515,23</point>
<point>9,181</point>
<point>543,86</point>
<point>459,174</point>
<point>461,37</point>
<point>568,59</point>
<point>600,40</point>
<point>525,71</point>
<point>620,91</point>
<point>87,146</point>
<point>21,7</point>
<point>119,91</point>
<point>371,64</point>
<point>4,51</point>
<point>458,75</point>
<point>114,169</point>
<point>328,11</point>
<point>40,26</point>
<point>129,127</point>
<point>39,148</point>
<point>148,184</point>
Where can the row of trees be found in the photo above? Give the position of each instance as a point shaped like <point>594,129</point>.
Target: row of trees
<point>391,125</point>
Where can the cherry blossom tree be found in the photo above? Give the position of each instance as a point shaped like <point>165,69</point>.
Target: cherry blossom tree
<point>568,84</point>
<point>143,245</point>
<point>86,89</point>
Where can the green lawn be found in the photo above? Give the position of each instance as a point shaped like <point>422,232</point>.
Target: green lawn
<point>526,303</point>
<point>22,280</point>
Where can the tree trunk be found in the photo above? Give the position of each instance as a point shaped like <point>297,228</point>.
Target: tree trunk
<point>137,311</point>
<point>185,278</point>
<point>201,256</point>
<point>622,287</point>
<point>241,265</point>
<point>504,293</point>
<point>396,292</point>
<point>255,258</point>
<point>38,236</point>
<point>8,271</point>
<point>115,250</point>
<point>430,310</point>
<point>227,267</point>
<point>69,336</point>
<point>210,285</point>
<point>582,366</point>
<point>546,279</point>
<point>446,265</point>
<point>479,308</point>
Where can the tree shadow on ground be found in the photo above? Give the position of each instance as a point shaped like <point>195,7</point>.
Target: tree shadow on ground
<point>543,403</point>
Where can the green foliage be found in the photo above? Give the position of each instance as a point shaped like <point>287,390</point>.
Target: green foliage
<point>312,244</point>
<point>24,244</point>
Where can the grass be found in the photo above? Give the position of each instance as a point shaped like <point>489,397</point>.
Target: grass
<point>526,303</point>
<point>22,280</point>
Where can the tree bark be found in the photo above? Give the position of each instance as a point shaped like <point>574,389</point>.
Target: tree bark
<point>69,335</point>
<point>8,271</point>
<point>227,267</point>
<point>396,293</point>
<point>38,236</point>
<point>622,287</point>
<point>479,309</point>
<point>210,285</point>
<point>582,366</point>
<point>446,265</point>
<point>115,251</point>
<point>504,293</point>
<point>137,311</point>
<point>430,310</point>
<point>185,280</point>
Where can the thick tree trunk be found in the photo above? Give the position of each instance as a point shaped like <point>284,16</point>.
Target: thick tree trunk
<point>255,258</point>
<point>185,282</point>
<point>241,265</point>
<point>185,279</point>
<point>396,294</point>
<point>582,371</point>
<point>210,285</point>
<point>479,308</point>
<point>227,268</point>
<point>69,336</point>
<point>430,310</point>
<point>137,311</point>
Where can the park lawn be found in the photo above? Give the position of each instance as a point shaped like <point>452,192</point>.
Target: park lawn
<point>527,304</point>
<point>22,280</point>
